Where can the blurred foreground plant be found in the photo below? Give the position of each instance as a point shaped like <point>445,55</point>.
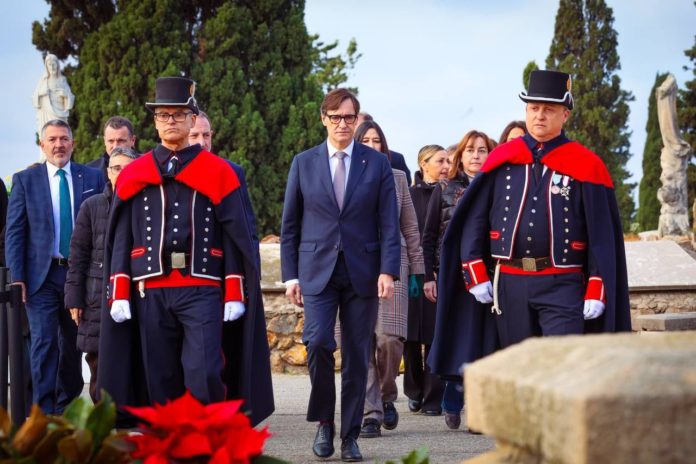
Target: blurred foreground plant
<point>83,434</point>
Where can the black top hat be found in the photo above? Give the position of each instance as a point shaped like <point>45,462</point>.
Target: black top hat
<point>549,87</point>
<point>174,91</point>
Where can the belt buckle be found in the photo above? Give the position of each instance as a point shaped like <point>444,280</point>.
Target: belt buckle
<point>529,264</point>
<point>178,260</point>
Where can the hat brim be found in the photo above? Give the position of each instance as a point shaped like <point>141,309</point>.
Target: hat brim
<point>190,105</point>
<point>566,101</point>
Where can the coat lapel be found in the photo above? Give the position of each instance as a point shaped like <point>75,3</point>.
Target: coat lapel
<point>44,194</point>
<point>323,172</point>
<point>78,187</point>
<point>358,163</point>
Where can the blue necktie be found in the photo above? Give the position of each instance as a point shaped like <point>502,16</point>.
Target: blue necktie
<point>65,215</point>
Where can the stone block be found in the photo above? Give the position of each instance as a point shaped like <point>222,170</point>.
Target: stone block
<point>659,265</point>
<point>270,267</point>
<point>282,324</point>
<point>296,356</point>
<point>667,322</point>
<point>617,398</point>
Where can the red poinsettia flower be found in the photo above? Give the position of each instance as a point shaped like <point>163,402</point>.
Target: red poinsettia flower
<point>184,428</point>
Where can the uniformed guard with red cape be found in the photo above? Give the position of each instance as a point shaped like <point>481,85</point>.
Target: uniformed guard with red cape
<point>184,308</point>
<point>535,246</point>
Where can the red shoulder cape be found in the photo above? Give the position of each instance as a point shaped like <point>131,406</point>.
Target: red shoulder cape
<point>207,174</point>
<point>571,159</point>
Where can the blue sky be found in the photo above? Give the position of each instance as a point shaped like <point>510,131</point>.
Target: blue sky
<point>430,71</point>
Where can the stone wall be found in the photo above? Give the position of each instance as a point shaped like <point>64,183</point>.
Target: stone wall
<point>284,324</point>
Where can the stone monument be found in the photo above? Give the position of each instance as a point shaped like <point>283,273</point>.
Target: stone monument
<point>52,97</point>
<point>674,158</point>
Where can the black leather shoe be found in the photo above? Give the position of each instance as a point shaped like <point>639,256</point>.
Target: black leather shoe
<point>370,429</point>
<point>431,412</point>
<point>350,451</point>
<point>414,405</point>
<point>391,416</point>
<point>453,421</point>
<point>323,443</point>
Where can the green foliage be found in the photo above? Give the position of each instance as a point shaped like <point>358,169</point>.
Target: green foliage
<point>263,101</point>
<point>531,66</point>
<point>84,434</point>
<point>259,77</point>
<point>584,45</point>
<point>649,211</point>
<point>419,456</point>
<point>687,121</point>
<point>331,71</point>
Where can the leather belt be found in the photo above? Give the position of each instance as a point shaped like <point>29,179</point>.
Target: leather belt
<point>529,264</point>
<point>60,261</point>
<point>178,260</point>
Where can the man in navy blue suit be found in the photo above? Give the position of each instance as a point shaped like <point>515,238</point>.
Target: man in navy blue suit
<point>43,205</point>
<point>340,252</point>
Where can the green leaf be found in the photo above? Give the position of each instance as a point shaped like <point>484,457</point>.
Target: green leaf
<point>78,411</point>
<point>115,450</point>
<point>101,420</point>
<point>76,447</point>
<point>419,456</point>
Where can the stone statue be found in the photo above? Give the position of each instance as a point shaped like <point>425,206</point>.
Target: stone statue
<point>52,97</point>
<point>675,155</point>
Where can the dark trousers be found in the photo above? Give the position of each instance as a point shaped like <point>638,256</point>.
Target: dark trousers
<point>92,360</point>
<point>181,333</point>
<point>539,305</point>
<point>419,383</point>
<point>56,364</point>
<point>358,318</point>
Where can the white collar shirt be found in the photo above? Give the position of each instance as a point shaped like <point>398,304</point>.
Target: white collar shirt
<point>54,183</point>
<point>333,160</point>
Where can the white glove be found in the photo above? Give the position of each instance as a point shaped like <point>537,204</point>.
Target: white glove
<point>120,310</point>
<point>233,310</point>
<point>483,292</point>
<point>593,309</point>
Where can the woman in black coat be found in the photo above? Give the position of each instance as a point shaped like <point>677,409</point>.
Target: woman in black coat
<point>84,281</point>
<point>423,389</point>
<point>472,151</point>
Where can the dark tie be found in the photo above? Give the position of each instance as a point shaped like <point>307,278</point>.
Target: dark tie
<point>65,215</point>
<point>339,181</point>
<point>537,166</point>
<point>172,166</point>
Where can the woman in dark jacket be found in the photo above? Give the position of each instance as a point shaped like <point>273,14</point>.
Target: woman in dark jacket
<point>468,158</point>
<point>423,389</point>
<point>84,281</point>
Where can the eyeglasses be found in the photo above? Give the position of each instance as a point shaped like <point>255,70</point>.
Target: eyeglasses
<point>336,118</point>
<point>179,116</point>
<point>116,168</point>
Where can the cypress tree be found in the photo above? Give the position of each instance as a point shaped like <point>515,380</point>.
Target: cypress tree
<point>687,121</point>
<point>584,45</point>
<point>649,210</point>
<point>255,82</point>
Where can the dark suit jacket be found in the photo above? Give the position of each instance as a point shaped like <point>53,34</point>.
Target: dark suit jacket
<point>313,228</point>
<point>101,163</point>
<point>29,230</point>
<point>398,162</point>
<point>3,217</point>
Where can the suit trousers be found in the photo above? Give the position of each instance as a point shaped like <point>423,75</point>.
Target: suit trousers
<point>419,383</point>
<point>358,317</point>
<point>385,358</point>
<point>181,333</point>
<point>539,305</point>
<point>56,364</point>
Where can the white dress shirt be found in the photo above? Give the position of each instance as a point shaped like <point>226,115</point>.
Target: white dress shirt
<point>333,160</point>
<point>54,183</point>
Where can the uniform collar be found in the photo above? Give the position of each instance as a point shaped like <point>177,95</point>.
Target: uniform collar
<point>547,146</point>
<point>162,154</point>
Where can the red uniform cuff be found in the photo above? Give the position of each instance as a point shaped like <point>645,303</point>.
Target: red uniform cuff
<point>474,273</point>
<point>595,289</point>
<point>120,287</point>
<point>234,287</point>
